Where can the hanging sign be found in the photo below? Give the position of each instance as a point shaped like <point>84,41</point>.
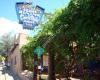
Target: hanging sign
<point>28,15</point>
<point>39,51</point>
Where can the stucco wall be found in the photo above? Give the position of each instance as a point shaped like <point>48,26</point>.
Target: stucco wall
<point>15,56</point>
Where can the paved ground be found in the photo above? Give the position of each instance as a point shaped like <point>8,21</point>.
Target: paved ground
<point>6,74</point>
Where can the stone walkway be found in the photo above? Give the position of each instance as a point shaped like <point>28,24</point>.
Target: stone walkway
<point>7,74</point>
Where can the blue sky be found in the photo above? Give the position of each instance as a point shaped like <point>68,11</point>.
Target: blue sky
<point>8,12</point>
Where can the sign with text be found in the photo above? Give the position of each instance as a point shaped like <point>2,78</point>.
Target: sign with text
<point>28,15</point>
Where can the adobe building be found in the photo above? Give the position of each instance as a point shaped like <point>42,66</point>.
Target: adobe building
<point>15,60</point>
<point>14,57</point>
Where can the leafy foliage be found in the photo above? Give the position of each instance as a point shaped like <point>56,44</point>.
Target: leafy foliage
<point>2,58</point>
<point>6,42</point>
<point>79,22</point>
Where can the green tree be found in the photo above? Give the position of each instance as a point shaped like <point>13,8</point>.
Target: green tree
<point>77,26</point>
<point>78,22</point>
<point>6,42</point>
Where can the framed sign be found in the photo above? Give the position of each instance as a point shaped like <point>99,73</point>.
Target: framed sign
<point>28,15</point>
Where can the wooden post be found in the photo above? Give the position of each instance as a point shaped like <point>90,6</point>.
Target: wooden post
<point>51,67</point>
<point>39,68</point>
<point>35,68</point>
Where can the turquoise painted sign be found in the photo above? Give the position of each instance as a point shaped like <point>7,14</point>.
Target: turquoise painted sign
<point>39,51</point>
